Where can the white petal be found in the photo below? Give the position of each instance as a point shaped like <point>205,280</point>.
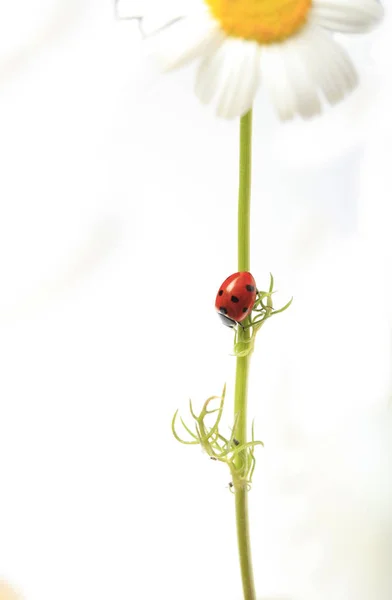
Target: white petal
<point>229,77</point>
<point>348,16</point>
<point>295,71</point>
<point>181,41</point>
<point>286,78</point>
<point>275,79</point>
<point>328,64</point>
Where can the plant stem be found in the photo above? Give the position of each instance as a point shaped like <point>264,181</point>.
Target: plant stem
<point>244,192</point>
<point>242,369</point>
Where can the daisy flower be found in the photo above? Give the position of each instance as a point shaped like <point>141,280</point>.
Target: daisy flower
<point>284,45</point>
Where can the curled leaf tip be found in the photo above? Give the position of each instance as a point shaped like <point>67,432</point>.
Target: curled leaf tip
<point>238,456</point>
<point>262,310</point>
<point>271,287</point>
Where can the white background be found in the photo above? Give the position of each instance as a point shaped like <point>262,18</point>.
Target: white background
<point>117,225</point>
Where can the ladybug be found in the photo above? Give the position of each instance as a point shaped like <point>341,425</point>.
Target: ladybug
<point>235,298</point>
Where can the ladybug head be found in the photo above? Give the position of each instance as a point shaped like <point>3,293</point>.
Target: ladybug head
<point>227,320</point>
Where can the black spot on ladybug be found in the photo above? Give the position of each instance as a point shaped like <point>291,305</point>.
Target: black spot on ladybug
<point>250,288</point>
<point>220,292</point>
<point>235,299</point>
<point>245,309</point>
<point>223,310</point>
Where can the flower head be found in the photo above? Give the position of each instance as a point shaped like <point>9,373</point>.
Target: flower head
<point>285,45</point>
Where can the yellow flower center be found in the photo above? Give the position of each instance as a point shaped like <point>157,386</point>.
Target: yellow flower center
<point>265,21</point>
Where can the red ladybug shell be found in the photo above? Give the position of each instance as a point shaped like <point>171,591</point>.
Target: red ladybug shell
<point>236,296</point>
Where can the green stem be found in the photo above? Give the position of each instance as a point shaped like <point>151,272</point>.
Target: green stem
<point>244,192</point>
<point>242,370</point>
<point>241,509</point>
